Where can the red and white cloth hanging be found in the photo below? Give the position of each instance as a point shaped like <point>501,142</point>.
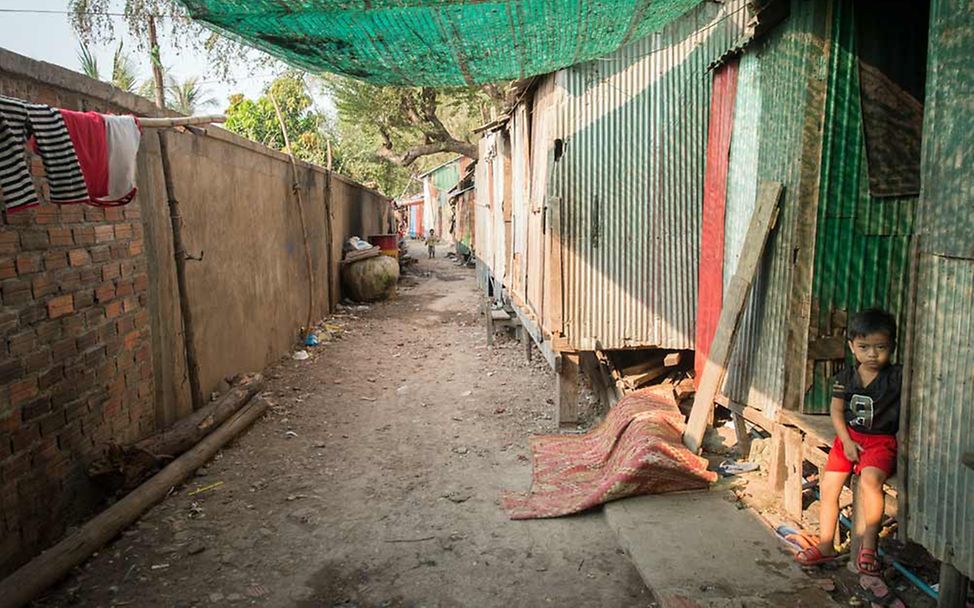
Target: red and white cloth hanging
<point>106,147</point>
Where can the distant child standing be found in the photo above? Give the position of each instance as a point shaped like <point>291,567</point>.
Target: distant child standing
<point>431,244</point>
<point>865,413</point>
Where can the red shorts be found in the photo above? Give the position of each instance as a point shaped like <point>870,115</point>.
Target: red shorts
<point>877,451</point>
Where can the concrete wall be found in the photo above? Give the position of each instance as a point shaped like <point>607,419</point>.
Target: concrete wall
<point>249,296</point>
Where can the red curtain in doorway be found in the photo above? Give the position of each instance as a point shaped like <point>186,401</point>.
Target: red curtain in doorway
<point>711,271</point>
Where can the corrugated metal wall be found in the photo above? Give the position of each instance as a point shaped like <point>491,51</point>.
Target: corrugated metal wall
<point>862,242</point>
<point>767,144</point>
<point>630,182</point>
<point>710,294</point>
<point>940,509</point>
<point>483,185</point>
<point>519,131</point>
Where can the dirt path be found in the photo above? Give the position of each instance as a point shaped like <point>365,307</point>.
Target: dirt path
<point>374,481</point>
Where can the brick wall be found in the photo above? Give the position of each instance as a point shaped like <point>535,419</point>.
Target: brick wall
<point>75,355</point>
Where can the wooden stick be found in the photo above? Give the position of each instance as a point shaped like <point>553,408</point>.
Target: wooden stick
<point>304,229</point>
<point>49,567</point>
<point>762,221</point>
<point>182,121</point>
<point>179,251</point>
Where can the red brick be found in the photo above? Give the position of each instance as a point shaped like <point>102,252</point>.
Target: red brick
<point>33,314</point>
<point>128,269</point>
<point>93,214</point>
<point>8,269</point>
<point>10,370</point>
<point>110,272</point>
<point>42,285</point>
<point>22,343</point>
<point>73,326</point>
<point>52,423</point>
<point>69,280</point>
<point>23,390</point>
<point>123,362</point>
<point>62,349</point>
<point>48,331</point>
<point>132,340</point>
<point>79,257</point>
<point>105,292</point>
<point>34,239</point>
<point>22,218</point>
<point>72,214</point>
<point>132,213</point>
<point>120,251</point>
<point>100,254</point>
<point>46,214</point>
<point>95,356</point>
<point>124,288</point>
<point>114,214</point>
<point>113,309</point>
<point>90,276</point>
<point>35,408</point>
<point>28,263</point>
<point>38,361</point>
<point>123,231</point>
<point>15,467</point>
<point>125,325</point>
<point>62,237</point>
<point>140,283</point>
<point>9,242</point>
<point>84,235</point>
<point>104,233</point>
<point>55,260</point>
<point>60,306</point>
<point>87,340</point>
<point>130,304</point>
<point>83,299</point>
<point>135,248</point>
<point>50,378</point>
<point>15,291</point>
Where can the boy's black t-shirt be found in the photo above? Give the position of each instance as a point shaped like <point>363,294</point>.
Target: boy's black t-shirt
<point>874,409</point>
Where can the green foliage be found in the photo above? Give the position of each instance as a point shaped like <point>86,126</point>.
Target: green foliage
<point>89,64</point>
<point>123,71</point>
<point>256,119</point>
<point>188,96</point>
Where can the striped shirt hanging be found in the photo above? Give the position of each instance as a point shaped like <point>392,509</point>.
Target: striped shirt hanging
<point>67,184</point>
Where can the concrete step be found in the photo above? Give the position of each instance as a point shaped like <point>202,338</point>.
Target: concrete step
<point>698,549</point>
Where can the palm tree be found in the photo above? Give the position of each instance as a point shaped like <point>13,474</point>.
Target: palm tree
<point>123,72</point>
<point>89,65</point>
<point>187,96</point>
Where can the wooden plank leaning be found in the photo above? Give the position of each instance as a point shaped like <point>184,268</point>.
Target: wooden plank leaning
<point>762,221</point>
<point>47,568</point>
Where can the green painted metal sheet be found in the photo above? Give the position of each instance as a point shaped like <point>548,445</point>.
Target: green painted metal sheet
<point>940,512</point>
<point>773,98</point>
<point>436,42</point>
<point>862,243</point>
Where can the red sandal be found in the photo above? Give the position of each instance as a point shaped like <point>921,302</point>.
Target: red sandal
<point>812,556</point>
<point>868,563</point>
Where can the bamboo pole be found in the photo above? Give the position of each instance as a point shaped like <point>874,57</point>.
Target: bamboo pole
<point>189,332</point>
<point>181,121</point>
<point>49,567</point>
<point>156,62</point>
<point>296,188</point>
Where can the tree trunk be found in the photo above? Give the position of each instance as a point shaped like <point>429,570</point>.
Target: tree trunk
<point>156,61</point>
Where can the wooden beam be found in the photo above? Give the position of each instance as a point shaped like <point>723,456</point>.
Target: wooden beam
<point>715,368</point>
<point>953,587</point>
<point>567,392</point>
<point>49,567</point>
<point>777,470</point>
<point>182,121</point>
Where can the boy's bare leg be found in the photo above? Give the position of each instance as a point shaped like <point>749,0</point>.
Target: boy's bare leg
<point>871,499</point>
<point>830,489</point>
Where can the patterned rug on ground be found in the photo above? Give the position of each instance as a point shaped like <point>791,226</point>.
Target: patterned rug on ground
<point>637,449</point>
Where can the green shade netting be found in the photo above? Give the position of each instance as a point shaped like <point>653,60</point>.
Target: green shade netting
<point>436,43</point>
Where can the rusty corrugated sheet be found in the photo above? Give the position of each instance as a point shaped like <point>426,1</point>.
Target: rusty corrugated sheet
<point>630,182</point>
<point>543,116</point>
<point>483,185</point>
<point>940,509</point>
<point>770,131</point>
<point>498,245</point>
<point>710,274</point>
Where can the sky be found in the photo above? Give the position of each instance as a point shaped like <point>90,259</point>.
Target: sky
<point>49,37</point>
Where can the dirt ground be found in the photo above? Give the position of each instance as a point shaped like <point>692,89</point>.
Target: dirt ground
<point>374,481</point>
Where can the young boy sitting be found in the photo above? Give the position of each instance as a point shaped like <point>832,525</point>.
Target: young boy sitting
<point>865,412</point>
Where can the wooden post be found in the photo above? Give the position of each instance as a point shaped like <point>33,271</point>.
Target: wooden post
<point>155,59</point>
<point>743,438</point>
<point>777,471</point>
<point>793,478</point>
<point>527,341</point>
<point>567,395</point>
<point>179,251</point>
<point>715,368</point>
<point>489,319</point>
<point>953,587</point>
